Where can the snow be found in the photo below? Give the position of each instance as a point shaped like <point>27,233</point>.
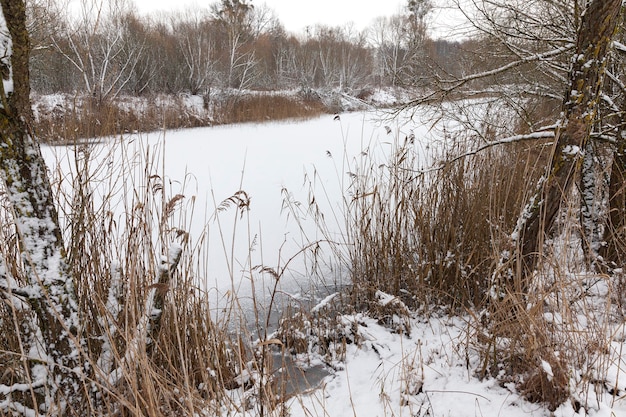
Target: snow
<point>571,150</point>
<point>425,374</point>
<point>432,372</point>
<point>173,254</point>
<point>547,368</point>
<point>325,302</point>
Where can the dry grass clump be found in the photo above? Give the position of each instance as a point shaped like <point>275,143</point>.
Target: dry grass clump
<point>517,346</point>
<point>262,107</point>
<point>319,332</point>
<point>554,342</point>
<point>430,238</point>
<point>81,117</point>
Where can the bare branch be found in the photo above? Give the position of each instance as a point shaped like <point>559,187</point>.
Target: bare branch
<point>545,134</point>
<point>449,86</point>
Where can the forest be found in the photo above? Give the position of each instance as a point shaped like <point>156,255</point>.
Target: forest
<point>107,50</point>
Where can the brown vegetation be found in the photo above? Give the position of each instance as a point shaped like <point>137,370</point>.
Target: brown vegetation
<point>267,107</point>
<point>70,119</point>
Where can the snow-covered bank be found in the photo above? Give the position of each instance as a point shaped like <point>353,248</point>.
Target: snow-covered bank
<point>432,372</point>
<point>65,118</point>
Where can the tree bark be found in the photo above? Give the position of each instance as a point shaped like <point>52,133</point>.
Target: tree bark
<point>595,34</point>
<point>593,188</point>
<point>614,252</point>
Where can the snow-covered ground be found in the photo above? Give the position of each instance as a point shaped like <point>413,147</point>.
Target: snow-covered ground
<point>429,373</point>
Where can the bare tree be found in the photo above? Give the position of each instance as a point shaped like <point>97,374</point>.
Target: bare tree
<point>594,40</point>
<point>400,42</point>
<point>98,48</point>
<point>196,40</point>
<point>236,20</point>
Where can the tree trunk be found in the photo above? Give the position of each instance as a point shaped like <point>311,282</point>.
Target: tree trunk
<point>614,252</point>
<point>579,107</point>
<point>50,285</point>
<point>593,188</point>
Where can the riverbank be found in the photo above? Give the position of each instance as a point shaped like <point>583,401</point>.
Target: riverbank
<point>65,118</point>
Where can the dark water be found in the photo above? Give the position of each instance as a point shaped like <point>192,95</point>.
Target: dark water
<point>292,379</point>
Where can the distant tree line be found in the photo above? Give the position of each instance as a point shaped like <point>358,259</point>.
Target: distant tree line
<point>107,49</point>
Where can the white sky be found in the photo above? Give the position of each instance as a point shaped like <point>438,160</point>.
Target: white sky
<point>297,14</point>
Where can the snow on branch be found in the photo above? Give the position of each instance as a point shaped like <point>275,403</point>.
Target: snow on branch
<point>615,80</point>
<point>322,304</point>
<point>16,408</point>
<point>19,387</point>
<point>8,405</point>
<point>620,47</point>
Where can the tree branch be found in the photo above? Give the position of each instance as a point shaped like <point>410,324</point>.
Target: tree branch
<point>544,134</point>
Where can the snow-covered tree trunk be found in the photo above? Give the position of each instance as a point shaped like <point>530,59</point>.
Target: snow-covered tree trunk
<point>49,286</point>
<point>593,194</point>
<point>594,38</point>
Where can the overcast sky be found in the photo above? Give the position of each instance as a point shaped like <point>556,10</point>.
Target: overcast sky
<point>297,14</point>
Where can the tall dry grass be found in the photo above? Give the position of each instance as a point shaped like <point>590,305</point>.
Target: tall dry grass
<point>433,237</point>
<point>263,107</point>
<point>81,117</point>
<point>122,224</point>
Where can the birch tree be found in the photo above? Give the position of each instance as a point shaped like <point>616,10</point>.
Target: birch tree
<point>612,252</point>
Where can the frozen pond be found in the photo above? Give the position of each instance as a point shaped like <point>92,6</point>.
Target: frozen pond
<point>282,167</point>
